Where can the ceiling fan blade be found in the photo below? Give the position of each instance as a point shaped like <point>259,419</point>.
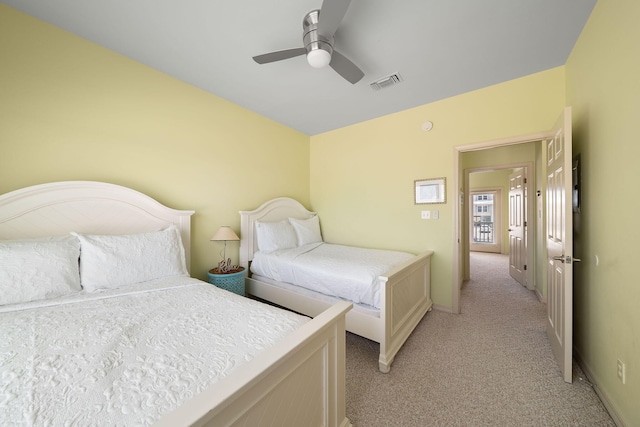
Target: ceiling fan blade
<point>279,55</point>
<point>331,15</point>
<point>345,68</point>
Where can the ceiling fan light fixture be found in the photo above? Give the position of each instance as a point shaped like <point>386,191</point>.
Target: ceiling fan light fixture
<point>318,58</point>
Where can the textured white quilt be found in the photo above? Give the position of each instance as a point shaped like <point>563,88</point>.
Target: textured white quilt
<point>344,271</point>
<point>114,359</point>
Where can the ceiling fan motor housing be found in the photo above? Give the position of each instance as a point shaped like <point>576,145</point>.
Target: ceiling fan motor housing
<point>315,42</point>
<point>318,40</point>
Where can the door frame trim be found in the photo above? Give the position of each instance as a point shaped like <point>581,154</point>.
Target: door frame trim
<point>459,180</point>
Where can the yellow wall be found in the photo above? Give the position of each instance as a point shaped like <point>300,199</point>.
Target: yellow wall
<point>603,86</point>
<point>71,110</point>
<point>362,175</point>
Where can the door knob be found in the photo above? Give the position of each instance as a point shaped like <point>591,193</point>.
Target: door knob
<point>566,259</point>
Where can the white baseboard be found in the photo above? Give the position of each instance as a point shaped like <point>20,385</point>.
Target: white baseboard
<point>608,404</point>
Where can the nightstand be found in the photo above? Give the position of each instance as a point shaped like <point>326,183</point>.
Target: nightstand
<point>232,282</point>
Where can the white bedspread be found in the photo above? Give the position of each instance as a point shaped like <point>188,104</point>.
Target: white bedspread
<point>344,271</point>
<point>113,359</point>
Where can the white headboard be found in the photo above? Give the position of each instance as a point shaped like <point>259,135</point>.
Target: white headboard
<point>87,207</point>
<point>272,211</point>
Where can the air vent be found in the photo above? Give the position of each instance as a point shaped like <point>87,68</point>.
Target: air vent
<point>384,82</point>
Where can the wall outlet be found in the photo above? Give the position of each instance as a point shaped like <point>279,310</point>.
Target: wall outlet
<point>622,371</point>
<point>426,215</point>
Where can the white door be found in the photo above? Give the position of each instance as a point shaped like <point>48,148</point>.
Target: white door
<point>559,237</point>
<point>517,236</point>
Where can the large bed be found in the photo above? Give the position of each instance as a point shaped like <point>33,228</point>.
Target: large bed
<point>143,343</point>
<point>402,297</point>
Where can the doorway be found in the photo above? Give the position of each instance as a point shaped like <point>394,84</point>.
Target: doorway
<point>489,156</point>
<point>485,232</point>
<point>554,170</point>
<point>501,225</point>
<point>488,208</point>
<point>501,177</point>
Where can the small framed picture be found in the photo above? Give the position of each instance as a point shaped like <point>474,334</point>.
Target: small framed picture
<point>431,190</point>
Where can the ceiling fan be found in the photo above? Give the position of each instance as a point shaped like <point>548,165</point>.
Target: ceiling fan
<point>319,28</point>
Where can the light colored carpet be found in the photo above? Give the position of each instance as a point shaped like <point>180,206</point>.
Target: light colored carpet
<point>492,365</point>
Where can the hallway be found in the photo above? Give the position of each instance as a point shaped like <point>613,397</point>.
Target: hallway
<point>489,366</point>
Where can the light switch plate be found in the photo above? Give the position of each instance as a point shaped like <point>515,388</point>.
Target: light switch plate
<point>426,215</point>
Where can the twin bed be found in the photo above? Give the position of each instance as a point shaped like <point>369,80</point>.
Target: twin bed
<point>105,327</point>
<point>281,245</point>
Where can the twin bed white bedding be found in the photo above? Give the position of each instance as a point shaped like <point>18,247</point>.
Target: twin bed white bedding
<point>127,356</point>
<point>346,272</point>
<point>282,246</point>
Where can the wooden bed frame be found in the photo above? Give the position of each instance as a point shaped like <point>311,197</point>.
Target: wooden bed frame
<point>300,381</point>
<point>405,295</point>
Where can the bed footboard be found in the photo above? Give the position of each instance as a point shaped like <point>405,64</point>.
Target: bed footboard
<point>301,381</point>
<point>405,301</point>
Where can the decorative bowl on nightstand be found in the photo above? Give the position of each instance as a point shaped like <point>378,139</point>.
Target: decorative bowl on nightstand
<point>233,282</point>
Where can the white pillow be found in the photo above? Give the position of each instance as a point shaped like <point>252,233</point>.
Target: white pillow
<point>108,262</point>
<point>273,236</point>
<point>307,230</point>
<point>37,269</point>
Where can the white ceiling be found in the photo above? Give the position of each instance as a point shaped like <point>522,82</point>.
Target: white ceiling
<point>441,48</point>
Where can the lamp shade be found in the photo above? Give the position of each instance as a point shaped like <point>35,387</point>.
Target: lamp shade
<point>225,233</point>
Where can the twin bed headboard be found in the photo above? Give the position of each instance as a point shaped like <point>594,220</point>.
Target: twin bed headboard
<point>90,207</point>
<point>272,211</point>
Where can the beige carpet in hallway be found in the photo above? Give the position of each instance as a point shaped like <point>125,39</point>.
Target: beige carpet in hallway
<point>489,366</point>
